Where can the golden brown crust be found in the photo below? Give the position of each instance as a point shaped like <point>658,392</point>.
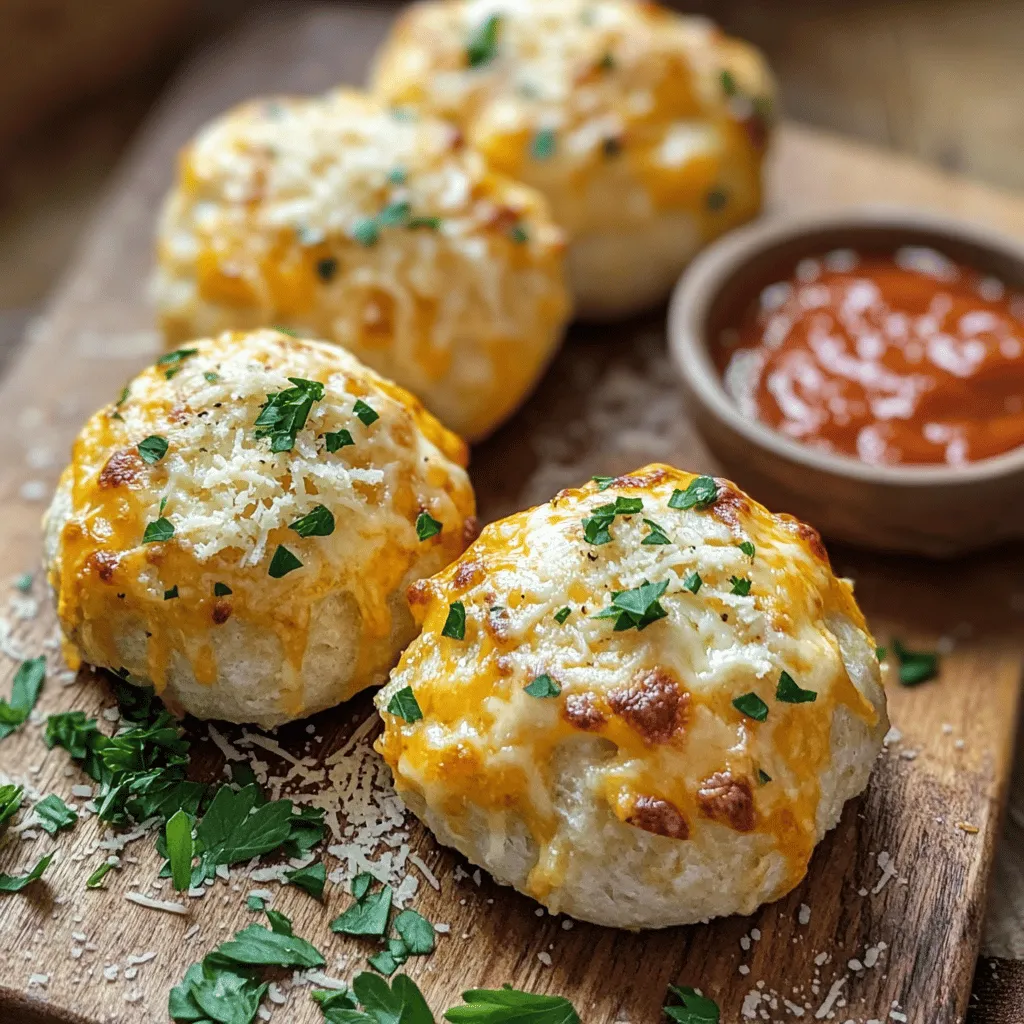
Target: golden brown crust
<point>123,469</point>
<point>658,816</point>
<point>581,711</point>
<point>728,800</point>
<point>652,704</point>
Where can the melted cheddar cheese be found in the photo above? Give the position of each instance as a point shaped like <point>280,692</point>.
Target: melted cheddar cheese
<point>165,611</point>
<point>679,758</point>
<point>385,234</point>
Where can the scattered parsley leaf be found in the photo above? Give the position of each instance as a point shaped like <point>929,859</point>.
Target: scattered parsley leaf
<point>693,582</point>
<point>338,439</point>
<point>366,232</point>
<point>404,705</point>
<point>95,880</point>
<point>170,595</point>
<point>365,413</point>
<point>763,777</point>
<point>417,933</point>
<point>455,625</point>
<point>339,1007</point>
<point>696,1009</point>
<point>367,916</point>
<point>740,586</point>
<point>510,1006</point>
<point>10,802</point>
<point>398,176</point>
<point>54,814</point>
<point>281,329</point>
<point>210,377</point>
<point>789,693</point>
<point>636,608</point>
<point>256,946</point>
<point>28,681</point>
<point>657,534</point>
<point>562,614</point>
<point>597,526</point>
<point>394,214</point>
<point>170,359</point>
<point>310,879</point>
<point>152,449</point>
<point>285,413</point>
<point>158,531</point>
<point>728,82</point>
<point>543,686</point>
<point>280,923</point>
<point>256,904</point>
<point>221,590</point>
<point>607,62</point>
<point>881,653</point>
<point>283,563</point>
<point>700,494</point>
<point>15,883</point>
<point>427,223</point>
<point>482,45</point>
<point>752,706</point>
<point>125,392</point>
<point>603,482</point>
<point>748,549</point>
<point>544,144</point>
<point>178,837</point>
<point>318,523</point>
<point>361,884</point>
<point>403,1003</point>
<point>427,526</point>
<point>518,234</point>
<point>915,666</point>
<point>23,582</point>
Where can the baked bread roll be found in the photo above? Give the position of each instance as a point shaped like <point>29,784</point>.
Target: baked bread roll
<point>644,129</point>
<point>642,705</point>
<point>239,528</point>
<point>382,232</point>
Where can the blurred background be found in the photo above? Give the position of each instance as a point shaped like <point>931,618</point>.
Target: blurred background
<point>939,79</point>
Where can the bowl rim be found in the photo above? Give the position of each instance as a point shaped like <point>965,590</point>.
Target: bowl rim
<point>713,267</point>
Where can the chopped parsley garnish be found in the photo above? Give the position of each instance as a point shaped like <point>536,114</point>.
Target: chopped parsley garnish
<point>728,82</point>
<point>158,531</point>
<point>404,705</point>
<point>170,595</point>
<point>125,392</point>
<point>338,439</point>
<point>28,681</point>
<point>210,377</point>
<point>366,232</point>
<point>426,223</point>
<point>256,904</point>
<point>23,582</point>
<point>763,777</point>
<point>95,880</point>
<point>455,625</point>
<point>285,413</point>
<point>695,1008</point>
<point>10,802</point>
<point>326,268</point>
<point>716,200</point>
<point>701,493</point>
<point>603,482</point>
<point>510,1006</point>
<point>740,586</point>
<point>178,840</point>
<point>427,526</point>
<point>597,526</point>
<point>543,686</point>
<point>172,359</point>
<point>693,582</point>
<point>657,534</point>
<point>752,706</point>
<point>748,549</point>
<point>482,45</point>
<point>544,144</point>
<point>368,915</point>
<point>152,449</point>
<point>789,693</point>
<point>365,413</point>
<point>283,563</point>
<point>398,176</point>
<point>416,932</point>
<point>310,879</point>
<point>881,653</point>
<point>518,234</point>
<point>562,614</point>
<point>221,590</point>
<point>54,814</point>
<point>607,62</point>
<point>394,214</point>
<point>15,883</point>
<point>281,329</point>
<point>636,608</point>
<point>318,523</point>
<point>915,666</point>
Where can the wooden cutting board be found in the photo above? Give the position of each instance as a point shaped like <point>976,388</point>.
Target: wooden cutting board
<point>895,894</point>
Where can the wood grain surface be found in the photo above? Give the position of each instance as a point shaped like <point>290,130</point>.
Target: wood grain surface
<point>897,886</point>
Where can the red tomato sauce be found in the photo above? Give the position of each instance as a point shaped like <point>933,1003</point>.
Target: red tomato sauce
<point>906,358</point>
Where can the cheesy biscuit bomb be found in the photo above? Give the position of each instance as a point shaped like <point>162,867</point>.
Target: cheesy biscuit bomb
<point>375,229</point>
<point>239,528</point>
<point>642,703</point>
<point>645,130</point>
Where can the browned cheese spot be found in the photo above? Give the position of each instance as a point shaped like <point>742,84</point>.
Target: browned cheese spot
<point>124,468</point>
<point>659,817</point>
<point>727,800</point>
<point>652,704</point>
<point>468,573</point>
<point>103,564</point>
<point>221,611</point>
<point>581,711</point>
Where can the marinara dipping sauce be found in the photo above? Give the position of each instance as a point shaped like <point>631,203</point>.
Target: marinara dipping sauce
<point>904,358</point>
